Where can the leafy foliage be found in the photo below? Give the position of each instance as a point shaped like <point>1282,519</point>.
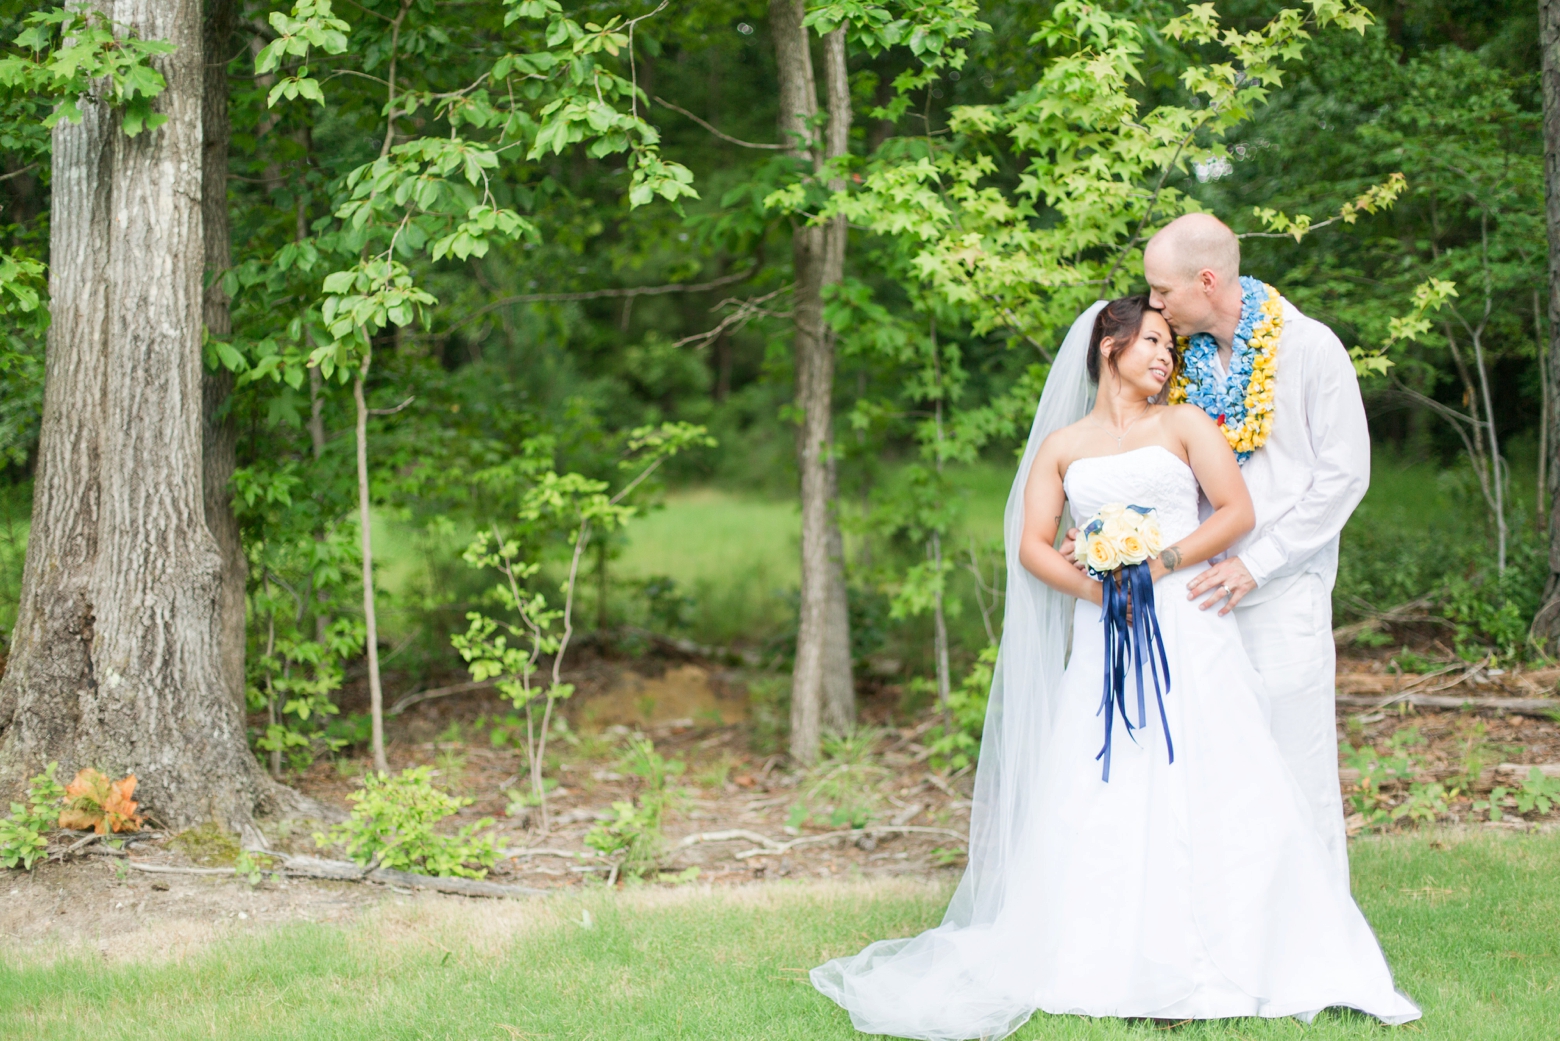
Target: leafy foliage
<point>634,834</point>
<point>959,746</point>
<point>843,788</point>
<point>393,825</point>
<point>24,834</point>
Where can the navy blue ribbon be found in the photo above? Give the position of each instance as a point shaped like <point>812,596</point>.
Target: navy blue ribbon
<point>1131,641</point>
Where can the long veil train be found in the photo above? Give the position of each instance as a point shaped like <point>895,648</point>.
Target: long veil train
<point>952,976</point>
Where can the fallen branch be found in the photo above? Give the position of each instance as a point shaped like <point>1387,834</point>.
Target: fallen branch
<point>776,848</point>
<point>343,871</point>
<point>526,853</point>
<point>1452,701</point>
<point>733,835</point>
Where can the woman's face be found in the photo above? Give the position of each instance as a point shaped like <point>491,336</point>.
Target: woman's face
<point>1146,363</point>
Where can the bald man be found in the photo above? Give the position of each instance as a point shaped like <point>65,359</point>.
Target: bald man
<point>1304,480</point>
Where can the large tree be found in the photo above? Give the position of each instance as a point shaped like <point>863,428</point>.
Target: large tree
<point>117,659</point>
<point>822,688</point>
<point>1546,624</point>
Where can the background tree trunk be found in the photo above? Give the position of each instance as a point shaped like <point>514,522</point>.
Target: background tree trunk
<point>119,662</point>
<point>220,437</point>
<point>822,692</point>
<point>1546,624</point>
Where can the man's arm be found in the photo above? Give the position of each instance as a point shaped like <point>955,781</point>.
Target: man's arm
<point>1335,418</point>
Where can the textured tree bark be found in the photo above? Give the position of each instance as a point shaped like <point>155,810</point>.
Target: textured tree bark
<point>118,660</point>
<point>1546,624</point>
<point>822,692</point>
<point>220,437</point>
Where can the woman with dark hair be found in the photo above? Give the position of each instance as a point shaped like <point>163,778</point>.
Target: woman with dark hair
<point>1173,873</point>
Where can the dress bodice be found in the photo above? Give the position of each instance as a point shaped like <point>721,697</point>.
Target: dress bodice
<point>1150,476</point>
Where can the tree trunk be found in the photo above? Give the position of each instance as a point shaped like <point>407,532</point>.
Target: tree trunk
<point>117,660</point>
<point>1546,624</point>
<point>822,692</point>
<point>376,697</point>
<point>221,437</point>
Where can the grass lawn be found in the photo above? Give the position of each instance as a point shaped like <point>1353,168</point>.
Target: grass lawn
<point>1471,923</point>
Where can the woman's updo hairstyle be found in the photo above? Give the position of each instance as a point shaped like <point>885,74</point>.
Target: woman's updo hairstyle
<point>1119,321</point>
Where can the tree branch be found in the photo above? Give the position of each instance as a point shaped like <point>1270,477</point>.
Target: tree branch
<point>724,137</point>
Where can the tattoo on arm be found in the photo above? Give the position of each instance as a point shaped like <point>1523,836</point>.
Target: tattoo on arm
<point>1058,518</point>
<point>1170,559</point>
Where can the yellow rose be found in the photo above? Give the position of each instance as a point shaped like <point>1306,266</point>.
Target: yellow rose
<point>1111,509</point>
<point>1119,525</point>
<point>1153,541</point>
<point>1132,549</point>
<point>1102,554</point>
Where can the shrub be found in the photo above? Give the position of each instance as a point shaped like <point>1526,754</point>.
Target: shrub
<point>634,835</point>
<point>842,790</point>
<point>392,825</point>
<point>23,834</point>
<point>958,747</point>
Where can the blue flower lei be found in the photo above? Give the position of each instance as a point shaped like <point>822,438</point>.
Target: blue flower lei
<point>1225,399</point>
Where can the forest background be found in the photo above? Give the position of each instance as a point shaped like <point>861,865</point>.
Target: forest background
<point>606,322</point>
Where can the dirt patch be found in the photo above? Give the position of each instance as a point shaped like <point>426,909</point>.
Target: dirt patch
<point>97,907</point>
<point>683,694</point>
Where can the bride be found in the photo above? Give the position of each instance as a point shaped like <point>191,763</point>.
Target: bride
<point>1190,884</point>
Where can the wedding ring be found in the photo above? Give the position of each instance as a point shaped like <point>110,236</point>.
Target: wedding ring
<point>1227,590</point>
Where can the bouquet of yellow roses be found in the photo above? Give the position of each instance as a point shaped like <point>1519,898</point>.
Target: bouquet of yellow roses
<point>1115,545</point>
<point>1117,535</point>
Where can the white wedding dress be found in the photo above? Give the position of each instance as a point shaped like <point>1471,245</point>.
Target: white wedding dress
<point>1194,889</point>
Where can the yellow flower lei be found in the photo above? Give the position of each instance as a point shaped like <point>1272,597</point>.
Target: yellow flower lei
<point>1252,432</point>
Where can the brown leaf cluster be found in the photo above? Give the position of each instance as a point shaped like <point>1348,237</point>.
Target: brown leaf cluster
<point>93,801</point>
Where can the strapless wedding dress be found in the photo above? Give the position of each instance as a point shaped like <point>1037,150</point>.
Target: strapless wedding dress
<point>1197,889</point>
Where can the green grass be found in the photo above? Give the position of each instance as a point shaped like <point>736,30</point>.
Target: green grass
<point>735,555</point>
<point>1471,923</point>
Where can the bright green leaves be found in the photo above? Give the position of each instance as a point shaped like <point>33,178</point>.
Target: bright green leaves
<point>656,176</point>
<point>519,9</point>
<point>1374,199</point>
<point>310,25</point>
<point>1429,296</point>
<point>1098,166</point>
<point>471,238</point>
<point>71,49</point>
<point>358,303</point>
<point>21,280</point>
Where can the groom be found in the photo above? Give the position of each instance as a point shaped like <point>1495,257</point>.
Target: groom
<point>1305,478</point>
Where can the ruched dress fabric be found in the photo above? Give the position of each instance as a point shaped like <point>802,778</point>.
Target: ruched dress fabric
<point>1197,889</point>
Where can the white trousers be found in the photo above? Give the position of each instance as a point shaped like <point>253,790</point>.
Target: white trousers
<point>1289,640</point>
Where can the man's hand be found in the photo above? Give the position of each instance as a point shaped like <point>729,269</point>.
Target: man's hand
<point>1069,549</point>
<point>1227,580</point>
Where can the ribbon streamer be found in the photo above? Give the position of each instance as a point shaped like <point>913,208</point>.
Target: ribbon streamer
<point>1131,641</point>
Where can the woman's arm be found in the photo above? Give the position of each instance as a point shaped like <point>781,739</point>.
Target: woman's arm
<point>1214,464</point>
<point>1043,502</point>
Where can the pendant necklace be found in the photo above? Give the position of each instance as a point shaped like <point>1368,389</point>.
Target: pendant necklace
<point>1125,430</point>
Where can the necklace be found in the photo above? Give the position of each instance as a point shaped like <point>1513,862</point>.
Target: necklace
<point>1124,430</point>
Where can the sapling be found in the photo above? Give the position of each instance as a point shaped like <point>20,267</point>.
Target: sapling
<point>510,649</point>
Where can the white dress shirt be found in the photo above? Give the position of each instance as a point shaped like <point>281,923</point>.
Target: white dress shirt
<point>1315,466</point>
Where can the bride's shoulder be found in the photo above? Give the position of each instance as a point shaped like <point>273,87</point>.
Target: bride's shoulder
<point>1061,446</point>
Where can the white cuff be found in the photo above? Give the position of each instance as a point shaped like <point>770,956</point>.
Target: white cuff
<point>1262,558</point>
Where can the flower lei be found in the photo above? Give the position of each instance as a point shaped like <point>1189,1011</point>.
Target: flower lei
<point>1242,405</point>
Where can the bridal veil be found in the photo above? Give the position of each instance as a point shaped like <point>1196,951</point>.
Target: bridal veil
<point>963,979</point>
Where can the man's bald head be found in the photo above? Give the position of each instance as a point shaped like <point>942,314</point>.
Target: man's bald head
<point>1194,243</point>
<point>1193,272</point>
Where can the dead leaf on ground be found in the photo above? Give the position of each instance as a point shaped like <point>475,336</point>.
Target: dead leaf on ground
<point>95,802</point>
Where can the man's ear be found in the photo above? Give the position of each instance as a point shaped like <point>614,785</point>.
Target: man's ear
<point>1208,280</point>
